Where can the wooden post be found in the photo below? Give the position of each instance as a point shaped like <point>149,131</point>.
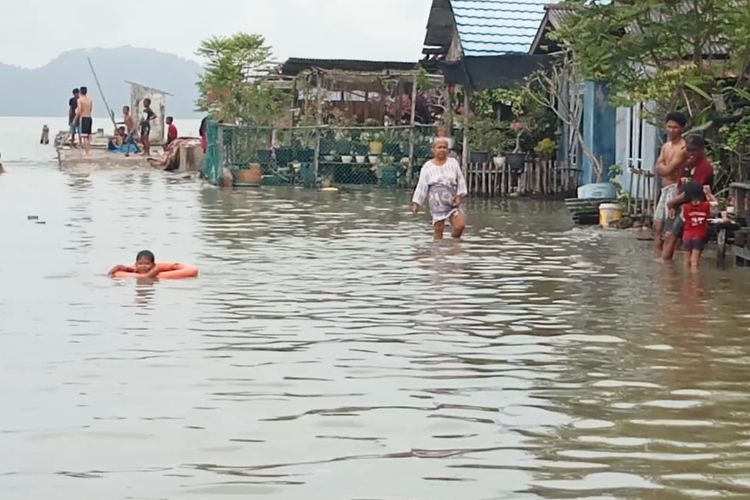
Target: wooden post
<point>448,116</point>
<point>484,179</point>
<point>318,123</point>
<point>465,152</point>
<point>410,167</point>
<point>502,179</point>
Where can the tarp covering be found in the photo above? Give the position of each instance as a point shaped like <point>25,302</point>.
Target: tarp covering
<point>487,72</point>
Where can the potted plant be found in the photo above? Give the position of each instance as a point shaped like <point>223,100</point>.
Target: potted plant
<point>487,136</point>
<point>545,149</point>
<point>360,150</point>
<point>517,157</point>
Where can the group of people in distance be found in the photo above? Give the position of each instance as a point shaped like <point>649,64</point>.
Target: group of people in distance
<point>80,121</point>
<point>686,202</point>
<point>683,212</point>
<point>128,131</point>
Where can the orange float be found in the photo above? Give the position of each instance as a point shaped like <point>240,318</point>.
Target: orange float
<point>167,271</point>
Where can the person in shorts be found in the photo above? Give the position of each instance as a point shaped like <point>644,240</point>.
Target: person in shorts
<point>84,113</point>
<point>72,124</point>
<point>669,168</point>
<point>696,212</point>
<point>147,117</point>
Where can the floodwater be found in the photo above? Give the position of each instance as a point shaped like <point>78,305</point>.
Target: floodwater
<point>330,350</point>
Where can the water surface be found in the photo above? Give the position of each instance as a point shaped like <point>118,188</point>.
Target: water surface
<point>329,349</point>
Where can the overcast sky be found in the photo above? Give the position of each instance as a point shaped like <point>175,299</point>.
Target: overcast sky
<point>35,31</point>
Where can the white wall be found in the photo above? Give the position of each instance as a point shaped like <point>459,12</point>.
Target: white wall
<point>158,106</point>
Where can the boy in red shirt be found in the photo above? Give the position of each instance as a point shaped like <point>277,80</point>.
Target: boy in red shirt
<point>695,212</point>
<point>171,131</point>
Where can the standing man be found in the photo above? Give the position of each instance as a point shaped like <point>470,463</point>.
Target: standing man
<point>171,131</point>
<point>72,107</point>
<point>130,129</point>
<point>669,167</point>
<point>698,169</point>
<point>83,117</point>
<point>146,118</point>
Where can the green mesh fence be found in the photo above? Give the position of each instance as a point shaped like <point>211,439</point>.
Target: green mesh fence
<point>212,161</point>
<point>374,156</point>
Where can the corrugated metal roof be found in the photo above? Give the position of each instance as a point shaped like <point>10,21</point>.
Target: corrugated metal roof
<point>496,27</point>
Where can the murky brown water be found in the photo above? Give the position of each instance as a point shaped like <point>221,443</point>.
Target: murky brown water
<point>330,350</point>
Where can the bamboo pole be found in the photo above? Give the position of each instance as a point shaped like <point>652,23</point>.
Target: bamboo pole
<point>101,93</point>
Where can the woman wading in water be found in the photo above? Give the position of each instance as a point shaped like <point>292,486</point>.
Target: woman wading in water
<point>442,183</point>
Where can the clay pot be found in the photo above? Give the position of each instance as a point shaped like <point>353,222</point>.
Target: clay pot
<point>251,176</point>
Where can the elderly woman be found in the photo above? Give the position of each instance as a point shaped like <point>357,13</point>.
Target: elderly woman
<point>442,183</point>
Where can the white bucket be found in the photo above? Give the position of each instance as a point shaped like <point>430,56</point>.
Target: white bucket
<point>608,213</point>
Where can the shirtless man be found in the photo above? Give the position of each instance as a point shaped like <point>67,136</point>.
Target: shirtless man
<point>669,167</point>
<point>83,116</point>
<point>131,132</point>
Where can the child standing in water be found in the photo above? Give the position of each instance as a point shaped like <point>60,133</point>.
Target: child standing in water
<point>695,213</point>
<point>145,263</point>
<point>442,183</point>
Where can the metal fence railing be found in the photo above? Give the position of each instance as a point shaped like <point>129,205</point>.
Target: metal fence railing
<point>384,156</point>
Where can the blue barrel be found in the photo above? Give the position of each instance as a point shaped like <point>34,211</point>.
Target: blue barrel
<point>390,175</point>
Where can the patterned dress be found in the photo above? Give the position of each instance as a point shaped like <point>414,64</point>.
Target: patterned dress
<point>440,184</point>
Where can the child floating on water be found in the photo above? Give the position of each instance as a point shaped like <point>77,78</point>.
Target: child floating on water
<point>145,264</point>
<point>696,212</point>
<point>442,183</point>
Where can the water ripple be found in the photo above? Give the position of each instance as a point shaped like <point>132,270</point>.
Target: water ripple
<point>329,349</point>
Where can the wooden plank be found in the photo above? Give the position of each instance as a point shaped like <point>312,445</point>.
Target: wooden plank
<point>537,166</point>
<point>503,179</point>
<point>484,179</point>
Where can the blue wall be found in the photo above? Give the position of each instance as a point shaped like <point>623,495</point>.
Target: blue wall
<point>599,128</point>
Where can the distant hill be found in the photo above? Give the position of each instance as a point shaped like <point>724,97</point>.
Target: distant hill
<point>45,91</point>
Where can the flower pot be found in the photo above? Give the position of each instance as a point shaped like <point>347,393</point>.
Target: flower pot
<point>328,158</point>
<point>479,157</point>
<point>360,159</point>
<point>376,148</point>
<point>515,161</point>
<point>248,177</point>
<point>346,159</point>
<point>499,161</point>
<point>373,159</point>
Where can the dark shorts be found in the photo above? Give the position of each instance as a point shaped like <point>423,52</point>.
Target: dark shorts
<point>674,226</point>
<point>694,244</point>
<point>86,123</point>
<point>145,131</point>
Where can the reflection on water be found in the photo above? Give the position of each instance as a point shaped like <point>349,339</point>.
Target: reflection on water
<point>331,350</point>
